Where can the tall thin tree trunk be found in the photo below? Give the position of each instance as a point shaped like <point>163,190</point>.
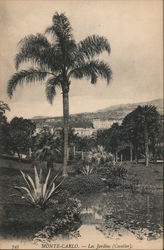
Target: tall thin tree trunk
<point>116,156</point>
<point>74,151</point>
<point>146,147</point>
<point>153,150</point>
<point>131,152</point>
<point>82,155</point>
<point>136,154</point>
<point>66,124</point>
<point>121,157</point>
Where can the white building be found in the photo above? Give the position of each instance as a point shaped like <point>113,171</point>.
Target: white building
<point>82,132</point>
<point>104,124</point>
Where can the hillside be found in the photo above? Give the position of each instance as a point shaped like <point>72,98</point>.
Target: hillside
<point>116,112</point>
<point>120,111</point>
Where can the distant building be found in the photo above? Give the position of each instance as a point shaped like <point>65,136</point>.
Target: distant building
<point>82,132</point>
<point>45,127</point>
<point>103,124</point>
<point>55,129</point>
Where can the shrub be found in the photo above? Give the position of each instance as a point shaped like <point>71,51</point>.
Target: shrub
<point>38,192</point>
<point>110,169</point>
<point>112,173</point>
<point>83,184</point>
<point>118,171</point>
<point>99,155</point>
<point>87,170</point>
<point>64,218</point>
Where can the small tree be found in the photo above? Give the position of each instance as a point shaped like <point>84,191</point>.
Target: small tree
<point>4,128</point>
<point>142,125</point>
<point>21,131</point>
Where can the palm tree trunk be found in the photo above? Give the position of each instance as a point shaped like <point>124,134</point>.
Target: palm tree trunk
<point>131,152</point>
<point>66,124</point>
<point>116,156</point>
<point>146,147</point>
<point>121,157</point>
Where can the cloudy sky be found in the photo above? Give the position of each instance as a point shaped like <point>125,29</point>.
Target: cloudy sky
<point>133,28</point>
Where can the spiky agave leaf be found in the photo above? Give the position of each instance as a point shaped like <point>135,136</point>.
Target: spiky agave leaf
<point>56,187</point>
<point>25,178</point>
<point>38,193</point>
<point>27,191</point>
<point>33,189</point>
<point>53,180</point>
<point>30,75</point>
<point>37,183</point>
<point>45,185</point>
<point>50,191</point>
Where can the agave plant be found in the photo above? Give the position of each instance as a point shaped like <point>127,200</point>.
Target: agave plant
<point>38,191</point>
<point>87,170</point>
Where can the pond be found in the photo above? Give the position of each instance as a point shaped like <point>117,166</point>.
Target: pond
<point>122,219</point>
<point>119,219</point>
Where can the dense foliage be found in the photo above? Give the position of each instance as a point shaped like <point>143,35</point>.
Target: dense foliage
<point>82,184</point>
<point>64,218</point>
<point>139,133</point>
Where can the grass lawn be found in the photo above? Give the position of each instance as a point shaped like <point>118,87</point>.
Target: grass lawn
<point>149,179</point>
<point>20,220</point>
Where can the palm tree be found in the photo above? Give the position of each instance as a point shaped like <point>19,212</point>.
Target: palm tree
<point>57,61</point>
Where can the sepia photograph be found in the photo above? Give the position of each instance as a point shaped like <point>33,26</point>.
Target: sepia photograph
<point>81,124</point>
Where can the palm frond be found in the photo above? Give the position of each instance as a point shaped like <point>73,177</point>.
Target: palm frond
<point>92,70</point>
<point>93,45</point>
<point>61,28</point>
<point>62,33</point>
<point>34,40</point>
<point>27,76</point>
<point>38,50</point>
<point>51,85</point>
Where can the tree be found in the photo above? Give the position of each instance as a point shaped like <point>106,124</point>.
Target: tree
<point>4,127</point>
<point>21,131</point>
<point>142,127</point>
<point>3,107</point>
<point>47,147</point>
<point>148,122</point>
<point>111,139</point>
<point>130,134</point>
<point>58,61</point>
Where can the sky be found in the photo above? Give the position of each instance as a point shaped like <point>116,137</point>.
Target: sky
<point>133,29</point>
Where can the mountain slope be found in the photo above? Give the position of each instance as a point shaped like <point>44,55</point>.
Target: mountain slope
<point>113,113</point>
